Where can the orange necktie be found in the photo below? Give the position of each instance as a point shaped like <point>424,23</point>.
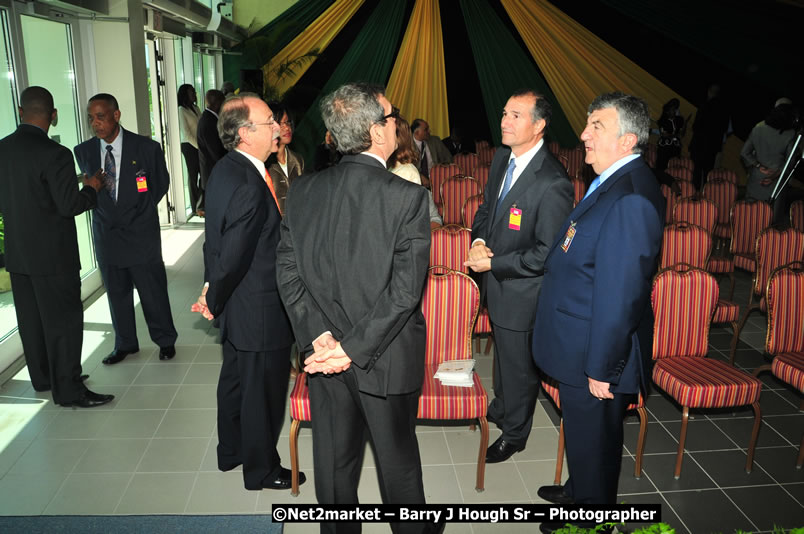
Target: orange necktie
<point>271,187</point>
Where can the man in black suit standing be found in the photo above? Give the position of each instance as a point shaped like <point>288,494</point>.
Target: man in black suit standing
<point>39,201</point>
<point>125,227</point>
<point>242,232</point>
<point>526,200</point>
<point>351,268</point>
<point>210,148</point>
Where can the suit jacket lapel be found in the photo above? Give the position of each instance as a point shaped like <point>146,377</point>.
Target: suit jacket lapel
<point>127,167</point>
<point>525,180</point>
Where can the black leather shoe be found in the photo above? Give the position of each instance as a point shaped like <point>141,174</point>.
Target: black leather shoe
<point>118,356</point>
<point>283,480</point>
<point>555,495</point>
<point>167,353</point>
<point>501,450</point>
<point>89,399</point>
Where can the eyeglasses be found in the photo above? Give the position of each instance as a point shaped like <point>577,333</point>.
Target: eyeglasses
<point>393,115</point>
<point>269,122</point>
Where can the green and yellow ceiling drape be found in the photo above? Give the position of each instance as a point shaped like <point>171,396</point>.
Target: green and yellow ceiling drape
<point>418,83</point>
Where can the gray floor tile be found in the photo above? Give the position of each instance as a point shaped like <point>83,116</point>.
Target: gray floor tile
<point>132,424</point>
<point>51,456</point>
<point>669,517</point>
<point>198,396</point>
<point>657,440</point>
<point>440,484</point>
<point>219,493</point>
<point>203,373</point>
<point>187,424</point>
<point>780,463</point>
<point>768,507</point>
<point>173,455</point>
<point>721,514</point>
<point>148,397</point>
<point>85,494</point>
<point>209,354</point>
<point>702,435</point>
<point>162,373</point>
<point>727,468</point>
<point>660,467</point>
<point>28,493</point>
<point>503,483</point>
<point>112,456</point>
<point>157,493</point>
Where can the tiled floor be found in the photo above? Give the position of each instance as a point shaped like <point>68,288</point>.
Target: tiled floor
<point>152,450</point>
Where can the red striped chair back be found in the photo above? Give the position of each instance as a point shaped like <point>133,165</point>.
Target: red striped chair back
<point>797,215</point>
<point>454,193</point>
<point>438,175</point>
<point>470,209</point>
<point>680,162</point>
<point>748,219</point>
<point>486,154</point>
<point>685,189</point>
<point>680,173</point>
<point>481,174</point>
<point>564,160</point>
<point>786,309</point>
<point>466,162</point>
<point>774,248</point>
<point>685,243</point>
<point>449,247</point>
<point>722,174</point>
<point>695,210</point>
<point>575,161</point>
<point>723,194</point>
<point>481,143</point>
<point>449,304</point>
<point>670,198</point>
<point>579,188</point>
<point>683,305</point>
<point>554,148</point>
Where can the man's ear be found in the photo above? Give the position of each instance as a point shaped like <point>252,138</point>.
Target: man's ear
<point>377,134</point>
<point>54,118</point>
<point>628,141</point>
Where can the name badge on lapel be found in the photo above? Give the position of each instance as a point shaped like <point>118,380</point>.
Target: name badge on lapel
<point>142,183</point>
<point>514,218</point>
<point>565,245</point>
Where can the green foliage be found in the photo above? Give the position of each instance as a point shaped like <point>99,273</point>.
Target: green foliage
<point>657,528</point>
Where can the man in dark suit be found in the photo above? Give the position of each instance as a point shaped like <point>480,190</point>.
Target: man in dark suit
<point>526,199</point>
<point>39,201</point>
<point>210,148</point>
<point>432,150</point>
<point>594,323</point>
<point>125,227</point>
<point>351,268</point>
<point>242,232</point>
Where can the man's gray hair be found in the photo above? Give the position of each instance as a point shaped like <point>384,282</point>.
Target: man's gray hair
<point>632,113</point>
<point>349,112</point>
<point>234,115</point>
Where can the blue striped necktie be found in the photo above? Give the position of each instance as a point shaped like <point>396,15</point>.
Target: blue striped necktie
<point>509,177</point>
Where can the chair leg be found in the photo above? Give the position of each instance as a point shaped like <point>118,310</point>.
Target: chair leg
<point>762,369</point>
<point>685,415</point>
<point>734,339</point>
<point>800,460</point>
<point>488,344</point>
<point>743,321</point>
<point>749,462</point>
<point>294,457</point>
<point>560,453</point>
<point>643,432</point>
<point>481,456</point>
<point>731,286</point>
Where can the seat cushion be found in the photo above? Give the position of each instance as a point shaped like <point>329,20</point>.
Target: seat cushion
<point>300,399</point>
<point>438,401</point>
<point>722,230</point>
<point>747,263</point>
<point>483,324</point>
<point>705,383</point>
<point>726,311</point>
<point>789,367</point>
<point>720,265</point>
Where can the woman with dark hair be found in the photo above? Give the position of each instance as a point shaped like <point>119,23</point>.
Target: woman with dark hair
<point>671,128</point>
<point>285,165</point>
<point>767,148</point>
<point>188,121</point>
<point>402,163</point>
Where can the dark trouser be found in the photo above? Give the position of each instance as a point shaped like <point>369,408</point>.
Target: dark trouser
<point>51,322</point>
<point>190,154</point>
<point>252,391</point>
<point>151,282</point>
<point>593,431</point>
<point>516,384</point>
<point>341,418</point>
<point>704,162</point>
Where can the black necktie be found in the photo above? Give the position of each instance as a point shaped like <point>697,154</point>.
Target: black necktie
<point>425,170</point>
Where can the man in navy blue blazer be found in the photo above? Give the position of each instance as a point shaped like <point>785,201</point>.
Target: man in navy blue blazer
<point>594,323</point>
<point>125,227</point>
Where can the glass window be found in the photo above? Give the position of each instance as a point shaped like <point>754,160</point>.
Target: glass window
<point>209,73</point>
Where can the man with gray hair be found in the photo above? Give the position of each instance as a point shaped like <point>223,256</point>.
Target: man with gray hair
<point>593,324</point>
<point>352,264</point>
<point>242,232</point>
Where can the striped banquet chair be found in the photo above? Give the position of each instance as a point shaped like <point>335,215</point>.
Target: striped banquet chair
<point>450,303</point>
<point>579,189</point>
<point>722,174</point>
<point>470,209</point>
<point>797,215</point>
<point>575,161</point>
<point>698,211</point>
<point>438,175</point>
<point>785,339</point>
<point>454,192</point>
<point>681,174</point>
<point>685,189</point>
<point>748,219</point>
<point>670,199</point>
<point>680,162</point>
<point>774,248</point>
<point>550,387</point>
<point>687,245</point>
<point>683,305</point>
<point>481,174</point>
<point>723,194</point>
<point>466,162</point>
<point>486,154</point>
<point>449,247</point>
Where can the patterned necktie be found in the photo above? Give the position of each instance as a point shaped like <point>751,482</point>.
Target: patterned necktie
<point>423,166</point>
<point>270,184</point>
<point>110,168</point>
<point>509,177</point>
<point>592,187</point>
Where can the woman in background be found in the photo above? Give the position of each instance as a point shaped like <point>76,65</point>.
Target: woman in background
<point>188,120</point>
<point>285,165</point>
<point>671,130</point>
<point>402,163</point>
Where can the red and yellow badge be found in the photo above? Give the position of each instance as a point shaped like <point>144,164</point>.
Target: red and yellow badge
<point>142,183</point>
<point>514,218</point>
<point>565,245</point>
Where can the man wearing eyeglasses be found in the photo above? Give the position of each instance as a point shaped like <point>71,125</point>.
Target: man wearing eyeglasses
<point>242,232</point>
<point>351,268</point>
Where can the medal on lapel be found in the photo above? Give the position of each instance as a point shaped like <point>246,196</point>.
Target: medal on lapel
<point>565,245</point>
